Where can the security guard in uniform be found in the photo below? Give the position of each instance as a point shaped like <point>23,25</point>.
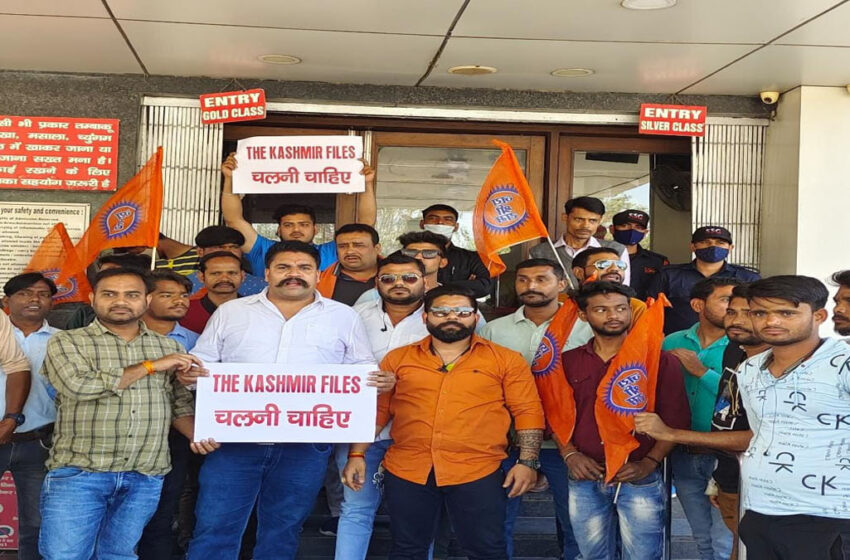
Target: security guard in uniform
<point>630,227</point>
<point>711,246</point>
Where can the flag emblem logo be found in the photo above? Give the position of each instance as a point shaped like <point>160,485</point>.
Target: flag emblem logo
<point>121,220</point>
<point>545,355</point>
<point>65,289</point>
<point>504,210</point>
<point>624,393</point>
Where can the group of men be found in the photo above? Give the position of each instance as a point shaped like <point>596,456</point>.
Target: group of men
<point>460,424</point>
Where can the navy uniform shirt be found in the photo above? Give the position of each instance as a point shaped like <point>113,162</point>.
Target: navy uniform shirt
<point>645,264</point>
<point>677,280</point>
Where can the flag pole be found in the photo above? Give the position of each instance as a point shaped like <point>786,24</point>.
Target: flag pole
<point>560,262</point>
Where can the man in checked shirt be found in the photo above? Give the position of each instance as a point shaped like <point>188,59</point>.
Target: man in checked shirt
<point>117,395</point>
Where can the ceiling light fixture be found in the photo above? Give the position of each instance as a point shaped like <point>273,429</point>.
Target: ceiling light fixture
<point>279,59</point>
<point>647,4</point>
<point>472,70</point>
<point>572,72</point>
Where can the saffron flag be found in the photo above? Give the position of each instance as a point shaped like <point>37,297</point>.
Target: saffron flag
<point>556,394</point>
<point>629,386</point>
<point>56,253</point>
<point>130,218</point>
<point>505,213</point>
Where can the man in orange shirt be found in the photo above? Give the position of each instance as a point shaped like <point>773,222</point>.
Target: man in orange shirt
<point>451,410</point>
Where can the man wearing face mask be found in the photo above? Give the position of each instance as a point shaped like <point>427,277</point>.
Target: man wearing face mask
<point>630,227</point>
<point>711,246</point>
<point>464,268</point>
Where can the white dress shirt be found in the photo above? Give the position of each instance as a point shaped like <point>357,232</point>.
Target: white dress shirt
<point>252,330</point>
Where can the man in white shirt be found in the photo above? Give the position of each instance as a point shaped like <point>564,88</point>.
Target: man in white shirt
<point>582,215</point>
<point>394,320</point>
<point>288,323</point>
<point>29,299</point>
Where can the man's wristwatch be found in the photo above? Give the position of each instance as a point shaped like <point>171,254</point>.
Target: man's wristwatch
<point>530,463</point>
<point>18,418</point>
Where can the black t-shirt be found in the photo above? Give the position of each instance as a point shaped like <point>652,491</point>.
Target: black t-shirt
<point>729,414</point>
<point>348,290</point>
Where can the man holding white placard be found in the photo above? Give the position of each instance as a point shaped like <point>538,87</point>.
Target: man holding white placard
<point>295,222</point>
<point>288,323</point>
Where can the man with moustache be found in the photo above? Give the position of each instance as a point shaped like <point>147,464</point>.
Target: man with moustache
<point>169,303</point>
<point>797,396</point>
<point>700,350</point>
<point>451,411</point>
<point>117,395</point>
<point>214,239</point>
<point>358,249</point>
<point>27,407</point>
<point>730,429</point>
<point>288,323</point>
<point>222,275</point>
<point>841,311</point>
<point>636,502</point>
<point>538,284</point>
<point>392,321</point>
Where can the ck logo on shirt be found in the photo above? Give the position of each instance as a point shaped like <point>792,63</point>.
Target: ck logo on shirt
<point>121,220</point>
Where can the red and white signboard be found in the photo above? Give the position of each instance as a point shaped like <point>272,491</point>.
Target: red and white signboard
<point>8,513</point>
<point>265,403</point>
<point>299,164</point>
<point>672,120</point>
<point>58,153</point>
<point>233,106</point>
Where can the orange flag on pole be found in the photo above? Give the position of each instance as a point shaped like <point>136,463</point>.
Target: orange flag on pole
<point>629,386</point>
<point>130,218</point>
<point>505,212</point>
<point>56,253</point>
<point>556,394</point>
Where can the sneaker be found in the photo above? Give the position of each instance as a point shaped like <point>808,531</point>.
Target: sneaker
<point>329,527</point>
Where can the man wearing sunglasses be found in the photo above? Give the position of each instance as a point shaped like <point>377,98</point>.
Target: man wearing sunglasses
<point>393,320</point>
<point>451,410</point>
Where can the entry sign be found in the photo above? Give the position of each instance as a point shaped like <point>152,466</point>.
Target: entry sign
<point>265,403</point>
<point>672,120</point>
<point>233,106</point>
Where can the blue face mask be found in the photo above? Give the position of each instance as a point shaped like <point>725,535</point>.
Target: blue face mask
<point>712,254</point>
<point>628,236</point>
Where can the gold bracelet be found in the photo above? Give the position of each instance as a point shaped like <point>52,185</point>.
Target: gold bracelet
<point>570,454</point>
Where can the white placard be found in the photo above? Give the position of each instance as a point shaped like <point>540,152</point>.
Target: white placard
<point>281,403</point>
<point>23,226</point>
<point>299,164</point>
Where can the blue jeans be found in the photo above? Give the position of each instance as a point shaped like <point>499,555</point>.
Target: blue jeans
<point>551,465</point>
<point>282,479</point>
<point>95,515</point>
<point>358,508</point>
<point>639,511</point>
<point>26,462</point>
<point>691,473</point>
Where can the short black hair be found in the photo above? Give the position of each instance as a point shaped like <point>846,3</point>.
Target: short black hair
<point>741,291</point>
<point>398,258</point>
<point>449,290</point>
<point>143,275</point>
<point>440,208</point>
<point>793,288</point>
<point>580,260</point>
<point>589,203</point>
<point>425,236</point>
<point>126,260</point>
<point>531,263</point>
<point>359,228</point>
<point>705,287</point>
<point>841,278</point>
<point>587,291</point>
<point>290,209</point>
<point>202,265</point>
<point>292,246</point>
<point>27,280</point>
<point>218,235</point>
<point>165,275</point>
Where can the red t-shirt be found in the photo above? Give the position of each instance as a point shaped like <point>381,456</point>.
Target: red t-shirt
<point>200,311</point>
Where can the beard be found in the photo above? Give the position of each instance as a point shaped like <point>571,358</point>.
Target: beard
<point>542,302</point>
<point>610,331</point>
<point>444,334</point>
<point>411,297</point>
<point>747,339</point>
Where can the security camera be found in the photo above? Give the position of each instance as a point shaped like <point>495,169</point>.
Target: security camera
<point>769,97</point>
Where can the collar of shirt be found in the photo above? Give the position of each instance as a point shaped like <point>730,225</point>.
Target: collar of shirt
<point>263,299</point>
<point>725,269</point>
<point>44,329</point>
<point>692,335</point>
<point>96,327</point>
<point>592,242</point>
